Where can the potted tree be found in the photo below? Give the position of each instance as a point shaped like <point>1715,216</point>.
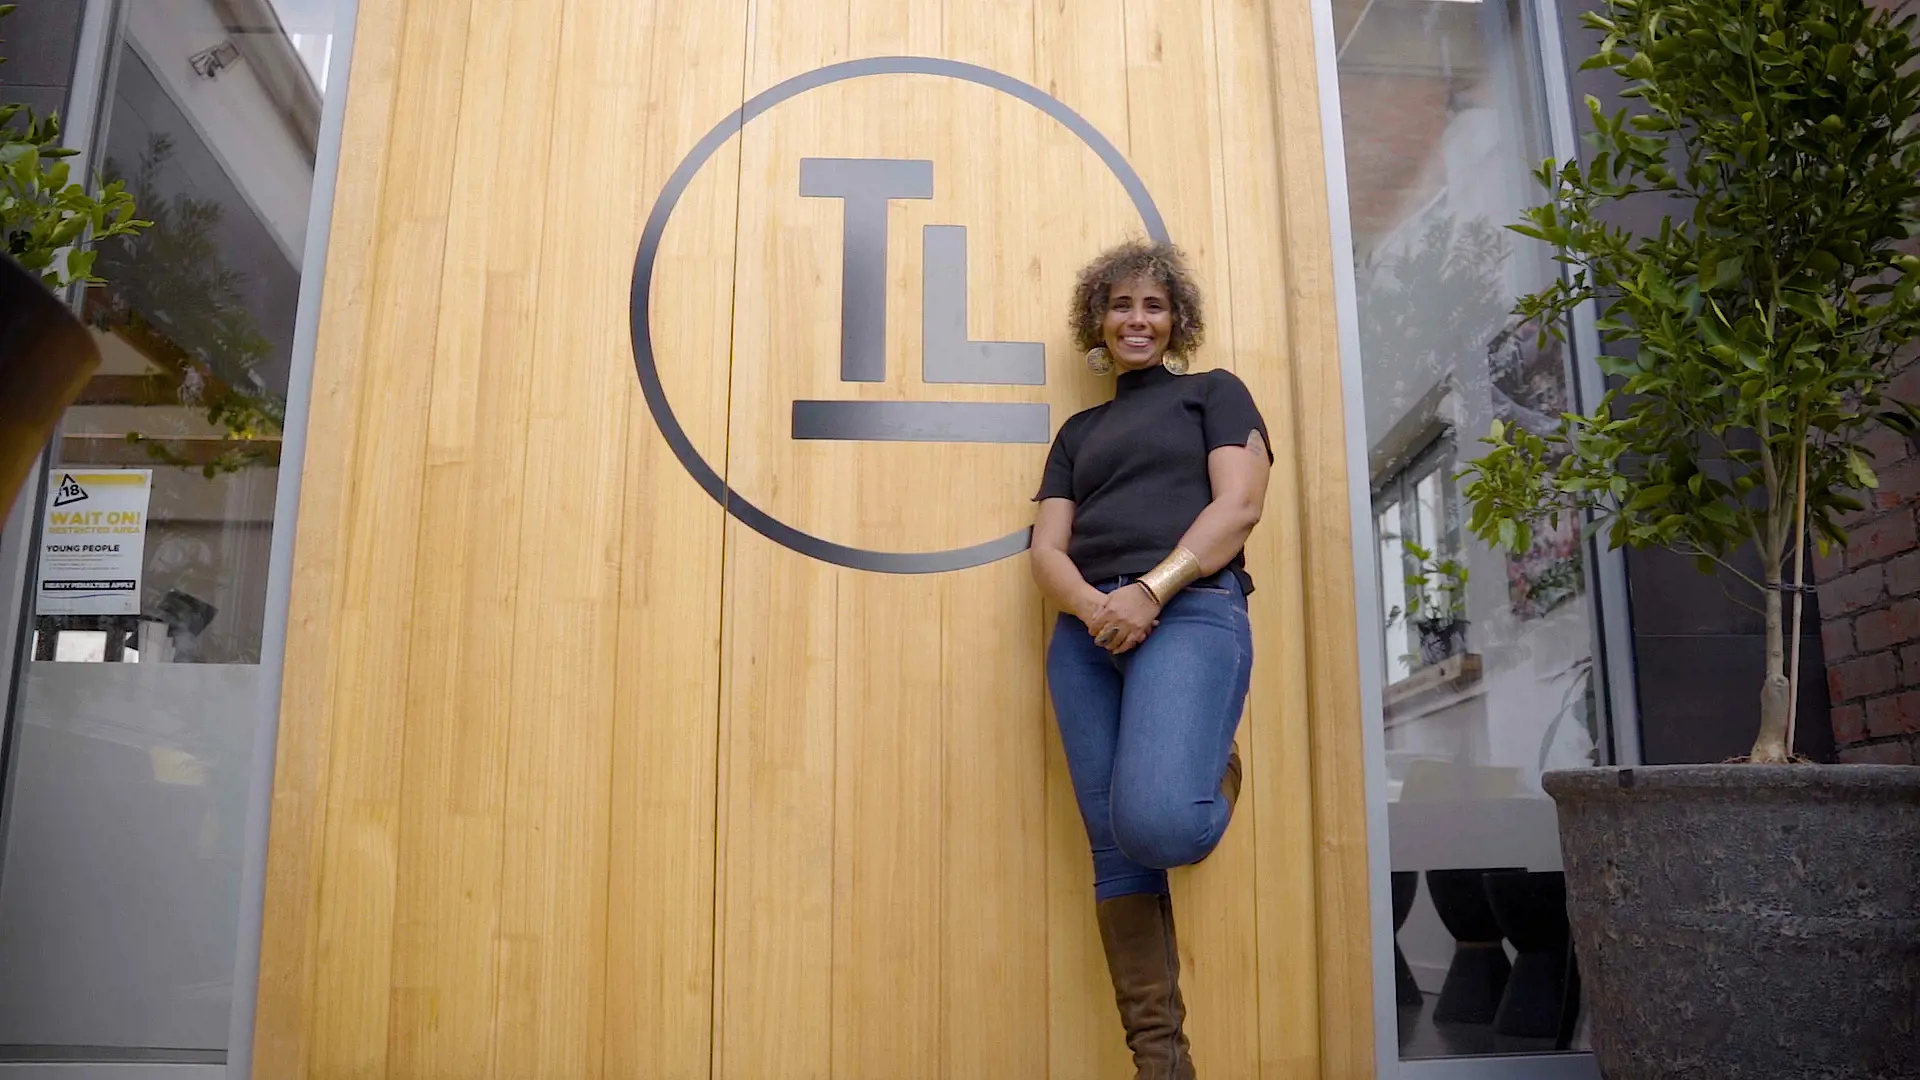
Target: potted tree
<point>1761,918</point>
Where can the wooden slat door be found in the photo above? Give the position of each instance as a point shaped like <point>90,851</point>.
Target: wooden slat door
<point>606,750</point>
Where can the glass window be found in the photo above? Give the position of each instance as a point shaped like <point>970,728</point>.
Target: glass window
<point>1420,563</point>
<point>138,708</point>
<point>1488,657</point>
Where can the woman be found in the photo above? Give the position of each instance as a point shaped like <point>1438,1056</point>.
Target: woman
<point>1145,506</point>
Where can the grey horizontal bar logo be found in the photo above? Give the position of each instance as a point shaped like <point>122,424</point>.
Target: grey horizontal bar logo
<point>921,421</point>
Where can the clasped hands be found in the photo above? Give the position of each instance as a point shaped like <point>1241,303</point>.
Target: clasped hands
<point>1122,619</point>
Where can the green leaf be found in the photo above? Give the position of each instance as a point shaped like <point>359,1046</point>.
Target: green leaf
<point>1859,472</point>
<point>1802,304</point>
<point>1837,59</point>
<point>1720,514</point>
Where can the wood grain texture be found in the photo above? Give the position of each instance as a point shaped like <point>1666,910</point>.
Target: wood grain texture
<point>776,927</point>
<point>1333,668</point>
<point>660,941</point>
<point>468,584</point>
<point>360,871</point>
<point>579,775</point>
<point>290,945</point>
<point>1278,751</point>
<point>994,773</point>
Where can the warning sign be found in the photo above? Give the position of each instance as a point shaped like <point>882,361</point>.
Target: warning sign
<point>93,542</point>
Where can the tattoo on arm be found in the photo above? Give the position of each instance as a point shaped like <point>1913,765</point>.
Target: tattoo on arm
<point>1257,444</point>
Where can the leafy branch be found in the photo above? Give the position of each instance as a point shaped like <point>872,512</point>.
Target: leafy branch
<point>1763,323</point>
<point>45,212</point>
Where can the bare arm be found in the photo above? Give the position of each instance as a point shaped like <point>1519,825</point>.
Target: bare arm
<point>1053,571</point>
<point>1239,475</point>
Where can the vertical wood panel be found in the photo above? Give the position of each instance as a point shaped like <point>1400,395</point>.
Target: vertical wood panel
<point>1337,756</point>
<point>1279,779</point>
<point>777,926</point>
<point>660,951</point>
<point>360,870</point>
<point>446,916</point>
<point>552,1009</point>
<point>994,933</point>
<point>889,723</point>
<point>289,935</point>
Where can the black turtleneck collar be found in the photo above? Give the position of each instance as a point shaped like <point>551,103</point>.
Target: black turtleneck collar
<point>1132,382</point>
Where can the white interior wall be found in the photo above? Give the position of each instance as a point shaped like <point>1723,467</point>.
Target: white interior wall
<point>231,113</point>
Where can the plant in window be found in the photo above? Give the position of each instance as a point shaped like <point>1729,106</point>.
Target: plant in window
<point>1436,604</point>
<point>1764,321</point>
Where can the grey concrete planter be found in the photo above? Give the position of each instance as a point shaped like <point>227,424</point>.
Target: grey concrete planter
<point>1743,922</point>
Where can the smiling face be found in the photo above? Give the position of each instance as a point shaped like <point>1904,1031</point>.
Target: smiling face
<point>1138,322</point>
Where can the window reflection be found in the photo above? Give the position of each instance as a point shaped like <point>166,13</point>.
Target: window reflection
<point>136,720</point>
<point>212,125</point>
<point>1488,658</point>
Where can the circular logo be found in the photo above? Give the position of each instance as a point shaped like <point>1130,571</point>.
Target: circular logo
<point>887,562</point>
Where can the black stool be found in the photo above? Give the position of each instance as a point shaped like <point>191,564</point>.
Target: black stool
<point>1477,977</point>
<point>1531,910</point>
<point>1406,887</point>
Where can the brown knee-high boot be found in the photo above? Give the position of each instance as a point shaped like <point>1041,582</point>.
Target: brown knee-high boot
<point>1144,960</point>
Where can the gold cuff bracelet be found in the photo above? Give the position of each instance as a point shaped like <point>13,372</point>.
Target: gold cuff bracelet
<point>1175,572</point>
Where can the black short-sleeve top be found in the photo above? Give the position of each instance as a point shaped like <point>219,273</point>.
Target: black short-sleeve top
<point>1136,467</point>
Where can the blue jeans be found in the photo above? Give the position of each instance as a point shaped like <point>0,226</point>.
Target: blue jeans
<point>1147,733</point>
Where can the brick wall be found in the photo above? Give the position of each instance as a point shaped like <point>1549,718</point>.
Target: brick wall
<point>1870,603</point>
<point>1870,598</point>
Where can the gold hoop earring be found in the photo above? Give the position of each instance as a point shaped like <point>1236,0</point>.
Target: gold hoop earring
<point>1174,362</point>
<point>1099,362</point>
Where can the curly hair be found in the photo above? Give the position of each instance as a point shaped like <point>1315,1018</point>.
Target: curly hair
<point>1166,265</point>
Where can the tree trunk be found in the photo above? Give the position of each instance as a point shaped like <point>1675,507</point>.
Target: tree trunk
<point>1775,697</point>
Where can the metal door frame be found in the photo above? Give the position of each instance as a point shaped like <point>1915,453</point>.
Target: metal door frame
<point>293,458</point>
<point>1607,590</point>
